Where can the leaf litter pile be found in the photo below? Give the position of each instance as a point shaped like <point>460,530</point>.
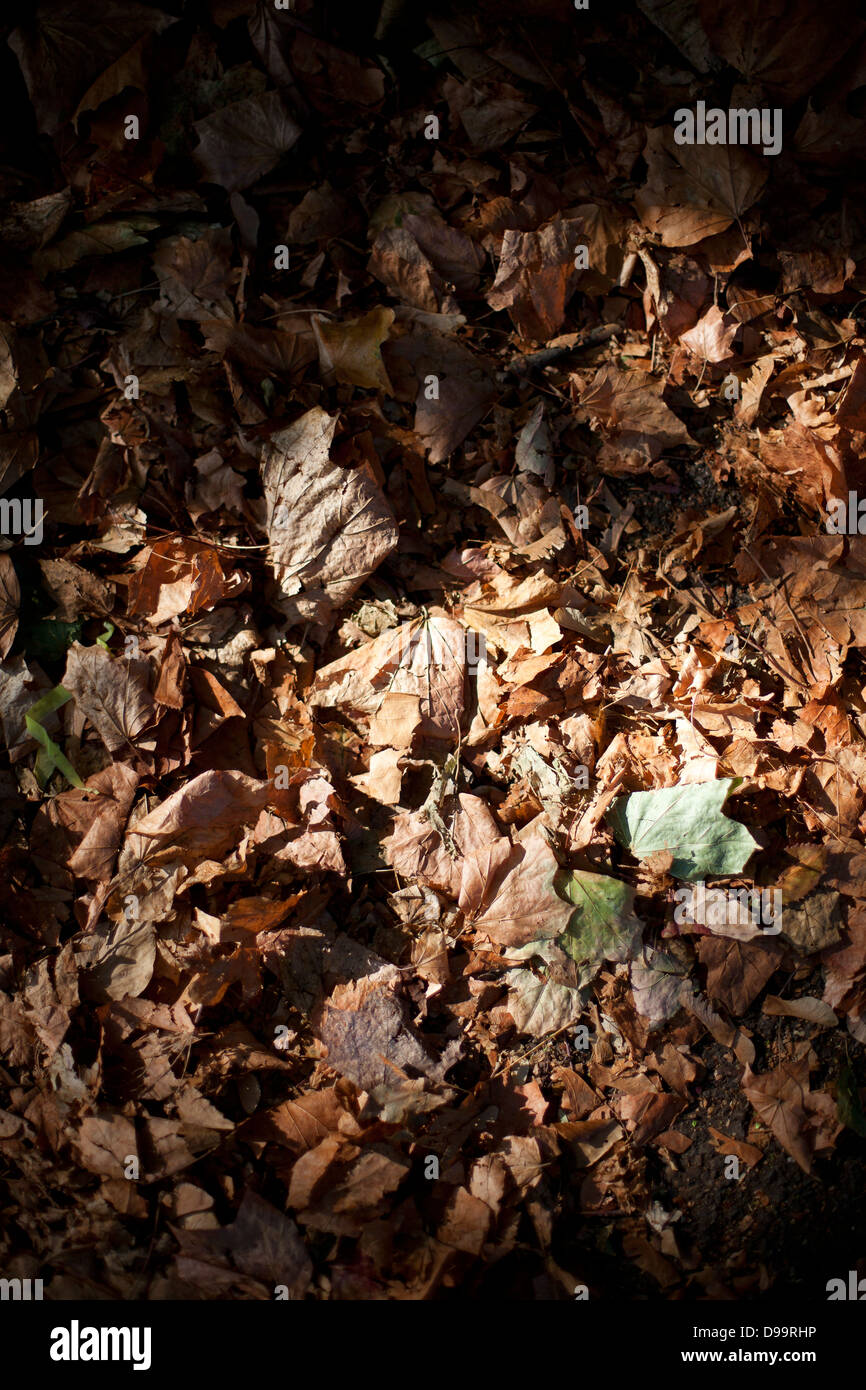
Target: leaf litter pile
<point>434,628</point>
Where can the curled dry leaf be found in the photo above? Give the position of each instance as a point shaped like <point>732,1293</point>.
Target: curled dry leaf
<point>419,666</point>
<point>536,277</point>
<point>176,576</point>
<point>204,816</point>
<point>10,601</point>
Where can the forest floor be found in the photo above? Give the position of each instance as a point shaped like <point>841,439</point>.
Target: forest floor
<point>433,689</point>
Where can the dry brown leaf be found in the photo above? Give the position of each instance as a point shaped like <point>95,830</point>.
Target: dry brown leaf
<point>695,191</point>
<point>113,692</point>
<point>507,892</point>
<point>329,527</point>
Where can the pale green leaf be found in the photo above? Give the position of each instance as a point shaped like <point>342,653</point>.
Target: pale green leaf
<point>687,820</point>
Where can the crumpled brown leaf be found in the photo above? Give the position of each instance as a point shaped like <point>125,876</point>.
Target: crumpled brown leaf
<point>261,1243</point>
<point>329,527</point>
<point>365,1029</point>
<point>61,50</point>
<point>803,1121</point>
<point>423,660</point>
<point>465,387</point>
<point>204,816</point>
<point>507,892</point>
<point>633,414</point>
<point>536,277</point>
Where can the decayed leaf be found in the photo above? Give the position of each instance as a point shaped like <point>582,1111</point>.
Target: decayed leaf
<point>656,980</point>
<point>194,275</point>
<point>261,1242</point>
<point>803,1121</point>
<point>112,692</point>
<point>536,277</point>
<point>686,820</point>
<point>368,1038</point>
<point>105,1142</point>
<point>241,142</point>
<point>632,412</point>
<point>464,388</point>
<point>119,961</point>
<point>80,831</point>
<point>815,923</point>
<point>329,527</point>
<point>749,1154</point>
<point>302,1123</point>
<point>97,239</point>
<point>75,590</point>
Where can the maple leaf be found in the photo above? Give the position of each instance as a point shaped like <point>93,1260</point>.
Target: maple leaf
<point>695,191</point>
<point>243,141</point>
<point>687,820</point>
<point>508,892</point>
<point>603,925</point>
<point>112,692</point>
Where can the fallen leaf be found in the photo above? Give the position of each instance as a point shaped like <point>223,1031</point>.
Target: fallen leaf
<point>243,141</point>
<point>329,528</point>
<point>686,820</point>
<point>695,191</point>
<point>113,692</point>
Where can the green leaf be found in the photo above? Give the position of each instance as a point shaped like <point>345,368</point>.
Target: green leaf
<point>49,756</point>
<point>603,925</point>
<point>848,1106</point>
<point>687,820</point>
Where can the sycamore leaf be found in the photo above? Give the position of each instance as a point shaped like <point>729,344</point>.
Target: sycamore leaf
<point>242,141</point>
<point>329,527</point>
<point>112,693</point>
<point>603,925</point>
<point>541,1005</point>
<point>687,820</point>
<point>508,892</point>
